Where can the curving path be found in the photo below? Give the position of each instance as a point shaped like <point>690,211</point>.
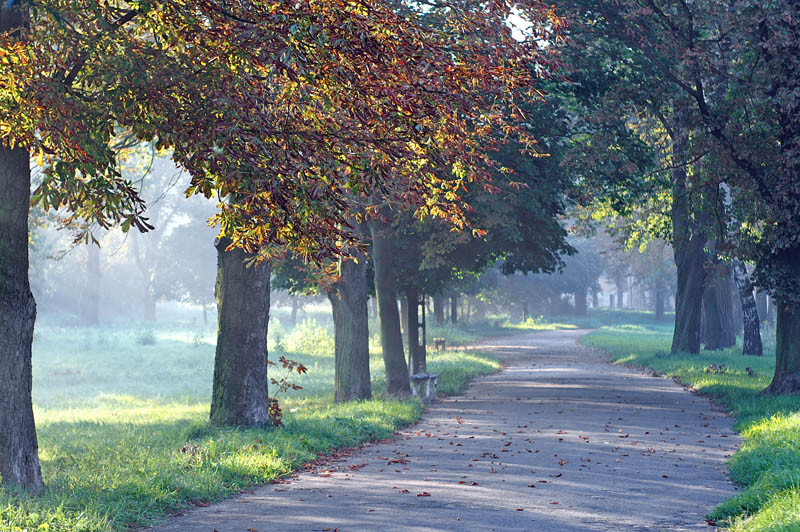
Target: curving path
<point>559,441</point>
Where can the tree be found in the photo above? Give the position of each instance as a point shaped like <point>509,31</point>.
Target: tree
<point>309,104</point>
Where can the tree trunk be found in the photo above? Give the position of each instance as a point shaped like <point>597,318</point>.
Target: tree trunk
<point>454,309</point>
<point>416,352</point>
<point>293,316</point>
<point>348,297</point>
<point>688,245</point>
<point>525,313</point>
<point>19,450</point>
<point>659,304</point>
<point>718,306</point>
<point>438,310</point>
<point>761,306</point>
<point>91,308</point>
<point>620,282</point>
<point>239,395</point>
<point>404,317</point>
<point>787,332</point>
<point>397,379</point>
<point>611,301</point>
<point>580,302</point>
<point>595,298</point>
<point>751,340</point>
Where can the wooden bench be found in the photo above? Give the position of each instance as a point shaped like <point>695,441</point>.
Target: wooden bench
<point>439,343</point>
<point>417,382</point>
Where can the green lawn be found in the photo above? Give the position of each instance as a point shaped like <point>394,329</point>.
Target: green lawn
<point>123,432</point>
<point>767,467</point>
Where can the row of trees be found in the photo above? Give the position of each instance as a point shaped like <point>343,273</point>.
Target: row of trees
<point>311,122</point>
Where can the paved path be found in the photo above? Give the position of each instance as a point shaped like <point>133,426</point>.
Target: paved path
<point>559,441</point>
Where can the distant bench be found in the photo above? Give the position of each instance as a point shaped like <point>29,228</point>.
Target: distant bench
<point>439,343</point>
<point>420,379</point>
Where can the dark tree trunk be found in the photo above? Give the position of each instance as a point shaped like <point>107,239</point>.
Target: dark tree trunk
<point>454,309</point>
<point>751,340</point>
<point>91,308</point>
<point>19,450</point>
<point>525,312</point>
<point>718,306</point>
<point>239,395</point>
<point>438,310</point>
<point>659,304</point>
<point>787,332</point>
<point>688,244</point>
<point>468,313</point>
<point>348,297</point>
<point>580,302</point>
<point>595,298</point>
<point>397,379</point>
<point>611,301</point>
<point>416,352</point>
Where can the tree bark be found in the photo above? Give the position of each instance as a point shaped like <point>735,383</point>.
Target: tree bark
<point>91,303</point>
<point>580,302</point>
<point>397,379</point>
<point>438,310</point>
<point>348,297</point>
<point>720,332</point>
<point>787,332</point>
<point>415,350</point>
<point>19,449</point>
<point>595,298</point>
<point>454,309</point>
<point>659,304</point>
<point>688,245</point>
<point>239,395</point>
<point>761,306</point>
<point>751,340</point>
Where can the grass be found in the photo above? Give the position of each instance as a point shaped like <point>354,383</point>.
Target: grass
<point>767,466</point>
<point>123,432</point>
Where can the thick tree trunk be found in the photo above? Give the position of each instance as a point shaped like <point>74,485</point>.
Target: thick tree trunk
<point>438,310</point>
<point>454,309</point>
<point>19,455</point>
<point>91,302</point>
<point>720,332</point>
<point>751,342</point>
<point>416,352</point>
<point>239,395</point>
<point>348,297</point>
<point>688,244</point>
<point>787,332</point>
<point>580,302</point>
<point>397,379</point>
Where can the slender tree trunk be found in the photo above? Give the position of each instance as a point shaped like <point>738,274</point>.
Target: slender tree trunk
<point>415,350</point>
<point>454,309</point>
<point>293,316</point>
<point>688,245</point>
<point>438,310</point>
<point>404,317</point>
<point>761,306</point>
<point>787,332</point>
<point>91,310</point>
<point>620,282</point>
<point>580,302</point>
<point>348,297</point>
<point>751,340</point>
<point>397,379</point>
<point>239,395</point>
<point>595,298</point>
<point>659,304</point>
<point>19,450</point>
<point>205,311</point>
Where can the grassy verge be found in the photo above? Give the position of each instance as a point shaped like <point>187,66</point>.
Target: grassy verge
<point>123,431</point>
<point>767,467</point>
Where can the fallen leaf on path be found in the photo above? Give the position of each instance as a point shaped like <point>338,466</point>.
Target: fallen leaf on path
<point>423,494</point>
